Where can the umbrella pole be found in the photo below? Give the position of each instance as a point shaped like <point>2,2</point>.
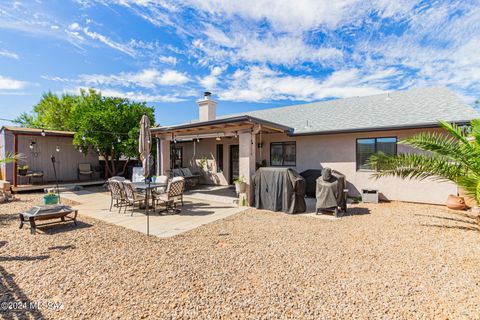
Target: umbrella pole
<point>56,179</point>
<point>148,209</point>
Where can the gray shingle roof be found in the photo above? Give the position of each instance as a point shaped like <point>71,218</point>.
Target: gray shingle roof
<point>415,107</point>
<point>421,107</point>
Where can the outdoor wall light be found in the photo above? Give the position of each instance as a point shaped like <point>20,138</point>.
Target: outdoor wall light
<point>32,144</point>
<point>57,148</point>
<point>43,133</point>
<point>218,138</point>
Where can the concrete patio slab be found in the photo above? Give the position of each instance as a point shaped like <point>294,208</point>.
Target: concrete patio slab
<point>194,213</point>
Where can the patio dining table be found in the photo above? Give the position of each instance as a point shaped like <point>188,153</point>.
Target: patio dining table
<point>148,187</point>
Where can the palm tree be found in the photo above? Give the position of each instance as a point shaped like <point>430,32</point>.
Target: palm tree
<point>10,157</point>
<point>451,156</point>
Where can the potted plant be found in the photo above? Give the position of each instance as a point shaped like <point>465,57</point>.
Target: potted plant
<point>203,163</point>
<point>50,198</point>
<point>22,170</point>
<point>239,185</point>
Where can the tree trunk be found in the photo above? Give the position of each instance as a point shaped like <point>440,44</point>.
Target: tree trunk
<point>108,172</point>
<point>124,167</point>
<point>112,161</point>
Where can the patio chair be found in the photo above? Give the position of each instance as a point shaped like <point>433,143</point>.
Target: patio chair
<point>117,194</point>
<point>131,196</point>
<point>84,169</point>
<point>177,172</point>
<point>117,178</point>
<point>172,195</point>
<point>191,180</point>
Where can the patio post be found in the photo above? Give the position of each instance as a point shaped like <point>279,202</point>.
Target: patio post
<point>164,156</point>
<point>158,169</point>
<point>247,160</point>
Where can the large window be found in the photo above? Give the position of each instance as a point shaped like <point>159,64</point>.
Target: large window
<point>219,157</point>
<point>177,157</point>
<point>369,146</point>
<point>283,153</point>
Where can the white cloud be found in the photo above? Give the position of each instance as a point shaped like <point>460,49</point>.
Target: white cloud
<point>11,84</point>
<point>210,82</point>
<point>172,77</point>
<point>168,60</point>
<point>57,79</point>
<point>259,84</point>
<point>132,95</point>
<point>109,42</point>
<point>8,54</point>
<point>243,45</point>
<point>147,78</point>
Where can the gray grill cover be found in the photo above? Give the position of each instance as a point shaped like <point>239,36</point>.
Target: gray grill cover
<point>330,187</point>
<point>279,189</point>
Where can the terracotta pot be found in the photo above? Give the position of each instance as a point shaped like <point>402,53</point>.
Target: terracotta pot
<point>456,202</point>
<point>469,200</point>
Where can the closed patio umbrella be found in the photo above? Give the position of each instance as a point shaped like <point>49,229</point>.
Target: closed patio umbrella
<point>144,146</point>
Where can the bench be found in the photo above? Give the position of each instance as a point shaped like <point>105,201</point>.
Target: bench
<point>48,212</point>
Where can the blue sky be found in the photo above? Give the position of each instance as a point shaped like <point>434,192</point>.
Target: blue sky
<point>251,54</point>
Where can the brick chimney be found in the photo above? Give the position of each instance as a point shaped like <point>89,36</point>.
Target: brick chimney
<point>207,108</point>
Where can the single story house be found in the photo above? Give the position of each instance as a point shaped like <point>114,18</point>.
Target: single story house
<point>37,146</point>
<point>341,134</point>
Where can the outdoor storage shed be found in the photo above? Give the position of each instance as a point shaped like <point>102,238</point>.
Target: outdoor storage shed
<point>279,189</point>
<point>36,147</point>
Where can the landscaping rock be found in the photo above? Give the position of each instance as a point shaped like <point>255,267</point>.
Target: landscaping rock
<point>384,261</point>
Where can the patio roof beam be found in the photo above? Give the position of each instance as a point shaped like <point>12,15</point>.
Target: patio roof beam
<point>233,121</point>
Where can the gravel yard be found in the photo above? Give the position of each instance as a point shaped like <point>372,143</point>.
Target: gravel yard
<point>392,260</point>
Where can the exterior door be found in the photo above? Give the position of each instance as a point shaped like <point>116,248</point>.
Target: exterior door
<point>234,162</point>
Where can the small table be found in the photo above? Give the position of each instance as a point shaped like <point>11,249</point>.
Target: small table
<point>47,212</point>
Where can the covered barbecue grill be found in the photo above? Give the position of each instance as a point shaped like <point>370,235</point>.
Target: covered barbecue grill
<point>279,189</point>
<point>331,191</point>
<point>311,176</point>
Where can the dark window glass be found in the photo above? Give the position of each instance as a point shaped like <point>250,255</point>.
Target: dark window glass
<point>177,157</point>
<point>369,146</point>
<point>283,153</point>
<point>219,157</point>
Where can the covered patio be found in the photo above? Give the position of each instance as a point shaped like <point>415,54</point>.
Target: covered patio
<point>218,150</point>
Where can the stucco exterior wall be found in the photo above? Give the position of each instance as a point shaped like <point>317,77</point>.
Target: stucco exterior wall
<point>338,151</point>
<point>207,148</point>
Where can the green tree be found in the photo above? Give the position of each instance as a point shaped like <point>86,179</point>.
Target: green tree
<point>451,156</point>
<point>109,126</point>
<point>105,125</point>
<point>52,112</point>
